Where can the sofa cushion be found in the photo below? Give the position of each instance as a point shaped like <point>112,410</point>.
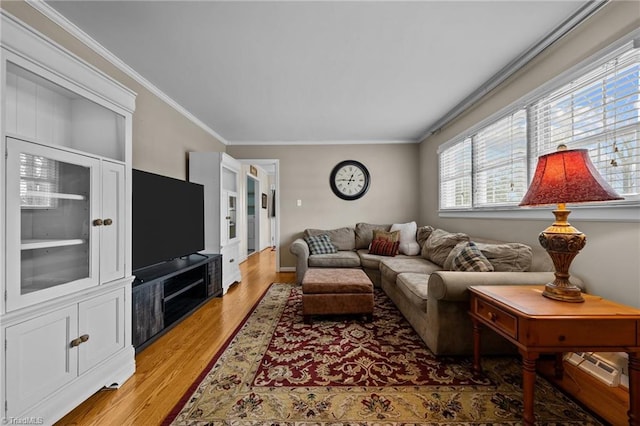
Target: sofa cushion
<point>439,244</point>
<point>364,233</point>
<point>414,286</point>
<point>392,266</point>
<point>372,261</point>
<point>384,247</point>
<point>422,234</point>
<point>467,257</point>
<point>342,238</point>
<point>408,243</point>
<point>320,244</point>
<point>507,257</point>
<point>341,259</point>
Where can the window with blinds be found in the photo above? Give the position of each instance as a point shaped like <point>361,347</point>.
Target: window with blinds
<point>500,162</point>
<point>455,176</point>
<point>598,110</point>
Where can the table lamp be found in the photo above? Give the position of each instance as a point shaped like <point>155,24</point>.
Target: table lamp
<point>565,176</point>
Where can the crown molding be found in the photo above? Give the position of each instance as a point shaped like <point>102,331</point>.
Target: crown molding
<point>92,44</point>
<point>328,142</point>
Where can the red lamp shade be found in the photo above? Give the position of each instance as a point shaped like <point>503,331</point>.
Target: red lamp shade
<point>567,176</point>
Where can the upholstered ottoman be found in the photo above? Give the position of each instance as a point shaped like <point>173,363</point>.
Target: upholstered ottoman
<point>327,291</point>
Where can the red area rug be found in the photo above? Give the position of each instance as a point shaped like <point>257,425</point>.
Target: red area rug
<point>276,370</point>
<point>345,351</point>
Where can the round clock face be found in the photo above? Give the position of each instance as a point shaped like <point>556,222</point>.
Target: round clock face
<point>349,180</point>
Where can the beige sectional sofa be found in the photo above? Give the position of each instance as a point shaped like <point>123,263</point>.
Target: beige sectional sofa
<point>433,298</point>
<point>353,251</point>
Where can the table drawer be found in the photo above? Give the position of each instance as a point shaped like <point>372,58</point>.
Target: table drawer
<point>500,319</point>
<point>579,333</point>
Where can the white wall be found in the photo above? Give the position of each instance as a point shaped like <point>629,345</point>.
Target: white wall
<point>610,263</point>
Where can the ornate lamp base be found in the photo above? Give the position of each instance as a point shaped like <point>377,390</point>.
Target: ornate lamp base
<point>563,242</point>
<point>563,294</point>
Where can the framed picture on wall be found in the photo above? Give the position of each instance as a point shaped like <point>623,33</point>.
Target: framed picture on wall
<point>264,201</point>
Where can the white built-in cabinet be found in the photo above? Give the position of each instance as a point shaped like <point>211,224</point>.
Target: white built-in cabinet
<point>220,173</point>
<point>65,313</point>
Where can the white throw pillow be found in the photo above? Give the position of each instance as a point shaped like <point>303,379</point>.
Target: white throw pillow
<point>408,243</point>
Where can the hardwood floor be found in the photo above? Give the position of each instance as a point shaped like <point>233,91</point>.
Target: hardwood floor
<point>166,369</point>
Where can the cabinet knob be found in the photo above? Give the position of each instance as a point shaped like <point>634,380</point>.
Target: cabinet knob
<point>97,222</point>
<point>228,217</point>
<point>231,260</point>
<point>108,222</point>
<point>79,340</point>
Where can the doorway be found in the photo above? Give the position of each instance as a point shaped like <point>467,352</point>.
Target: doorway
<point>265,183</point>
<point>253,215</point>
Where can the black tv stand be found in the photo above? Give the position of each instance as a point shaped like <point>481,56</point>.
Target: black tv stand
<point>166,293</point>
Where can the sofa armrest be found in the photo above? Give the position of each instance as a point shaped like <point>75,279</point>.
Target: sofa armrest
<point>453,286</point>
<point>300,249</point>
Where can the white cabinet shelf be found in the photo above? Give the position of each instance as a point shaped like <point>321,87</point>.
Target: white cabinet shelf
<point>40,244</point>
<point>55,195</point>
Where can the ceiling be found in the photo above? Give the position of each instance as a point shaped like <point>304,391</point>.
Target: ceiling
<point>317,71</point>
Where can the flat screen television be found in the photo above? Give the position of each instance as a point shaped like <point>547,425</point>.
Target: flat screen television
<point>168,218</point>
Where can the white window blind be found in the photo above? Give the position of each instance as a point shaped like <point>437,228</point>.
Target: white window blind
<point>599,111</point>
<point>500,162</point>
<point>455,176</point>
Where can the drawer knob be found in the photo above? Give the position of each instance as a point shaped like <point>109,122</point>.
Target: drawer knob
<point>493,317</point>
<point>561,338</point>
<point>231,260</point>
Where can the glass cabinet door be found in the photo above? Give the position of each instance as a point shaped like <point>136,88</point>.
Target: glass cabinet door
<point>231,213</point>
<point>229,205</point>
<point>50,205</point>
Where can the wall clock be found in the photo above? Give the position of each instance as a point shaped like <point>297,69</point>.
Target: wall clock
<point>349,180</point>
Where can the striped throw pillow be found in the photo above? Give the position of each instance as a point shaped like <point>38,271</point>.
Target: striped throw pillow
<point>383,247</point>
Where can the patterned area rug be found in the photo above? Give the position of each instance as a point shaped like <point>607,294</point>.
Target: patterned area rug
<point>342,371</point>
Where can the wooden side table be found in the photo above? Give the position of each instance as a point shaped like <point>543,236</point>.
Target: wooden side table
<point>538,325</point>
